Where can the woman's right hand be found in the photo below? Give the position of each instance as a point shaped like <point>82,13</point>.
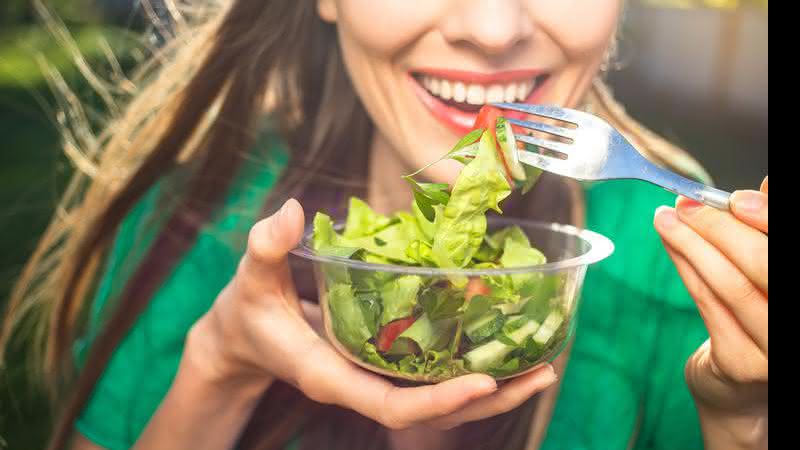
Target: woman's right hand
<point>256,332</point>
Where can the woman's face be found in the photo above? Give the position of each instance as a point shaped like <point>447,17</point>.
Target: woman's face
<point>423,68</point>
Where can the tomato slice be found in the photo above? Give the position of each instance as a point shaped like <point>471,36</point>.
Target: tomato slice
<point>487,120</point>
<point>476,286</point>
<point>391,331</point>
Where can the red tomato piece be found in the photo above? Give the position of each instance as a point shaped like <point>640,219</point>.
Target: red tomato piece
<point>487,119</point>
<point>391,331</point>
<point>476,286</point>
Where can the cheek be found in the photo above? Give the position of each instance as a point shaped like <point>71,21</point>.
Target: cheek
<point>582,28</point>
<point>385,27</point>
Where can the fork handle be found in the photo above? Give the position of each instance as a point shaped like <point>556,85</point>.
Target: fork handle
<point>677,184</point>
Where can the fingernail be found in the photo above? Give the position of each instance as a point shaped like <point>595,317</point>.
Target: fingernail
<point>749,201</point>
<point>666,218</point>
<point>279,216</point>
<point>687,205</point>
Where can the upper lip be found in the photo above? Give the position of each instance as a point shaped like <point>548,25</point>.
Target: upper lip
<point>479,77</point>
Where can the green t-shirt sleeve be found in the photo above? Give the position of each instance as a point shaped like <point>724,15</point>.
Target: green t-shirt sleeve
<point>143,366</point>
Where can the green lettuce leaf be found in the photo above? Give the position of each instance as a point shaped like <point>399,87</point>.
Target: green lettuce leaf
<point>370,303</point>
<point>412,364</point>
<point>371,355</point>
<point>388,240</point>
<point>501,286</point>
<point>428,195</point>
<point>480,186</point>
<point>455,153</point>
<point>362,220</point>
<point>327,242</point>
<point>399,297</point>
<point>497,240</point>
<point>477,307</point>
<point>365,281</point>
<point>519,254</point>
<point>532,351</point>
<point>349,324</point>
<point>429,334</point>
<point>442,303</point>
<point>391,242</point>
<point>543,296</point>
<point>442,365</point>
<point>420,252</point>
<point>427,227</point>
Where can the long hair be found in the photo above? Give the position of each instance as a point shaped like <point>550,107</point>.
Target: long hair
<point>194,108</point>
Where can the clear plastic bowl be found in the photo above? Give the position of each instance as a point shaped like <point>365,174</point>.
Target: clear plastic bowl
<point>569,251</point>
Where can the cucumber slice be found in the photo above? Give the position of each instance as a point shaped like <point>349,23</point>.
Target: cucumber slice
<point>492,354</point>
<point>510,308</point>
<point>548,328</point>
<point>508,145</point>
<point>484,327</point>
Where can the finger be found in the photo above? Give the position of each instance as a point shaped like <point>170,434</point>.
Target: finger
<point>507,398</point>
<point>743,245</point>
<point>264,266</point>
<point>329,378</point>
<point>765,185</point>
<point>732,354</point>
<point>728,284</point>
<point>723,327</point>
<point>752,208</point>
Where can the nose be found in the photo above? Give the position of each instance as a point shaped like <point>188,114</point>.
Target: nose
<point>492,26</point>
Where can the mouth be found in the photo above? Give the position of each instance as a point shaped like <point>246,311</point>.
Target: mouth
<point>455,97</point>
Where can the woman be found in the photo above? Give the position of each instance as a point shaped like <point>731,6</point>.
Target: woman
<point>191,345</point>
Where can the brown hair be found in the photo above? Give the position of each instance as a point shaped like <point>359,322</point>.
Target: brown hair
<point>196,114</point>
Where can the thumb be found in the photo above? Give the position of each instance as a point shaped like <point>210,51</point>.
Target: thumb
<point>269,242</point>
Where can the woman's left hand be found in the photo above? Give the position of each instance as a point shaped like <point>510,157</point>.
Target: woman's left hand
<point>723,258</point>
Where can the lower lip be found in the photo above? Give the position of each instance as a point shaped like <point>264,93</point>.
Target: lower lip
<point>461,122</point>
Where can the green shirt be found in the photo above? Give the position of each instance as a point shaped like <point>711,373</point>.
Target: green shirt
<point>624,386</point>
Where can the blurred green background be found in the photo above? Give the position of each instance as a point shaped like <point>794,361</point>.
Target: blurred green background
<point>696,71</point>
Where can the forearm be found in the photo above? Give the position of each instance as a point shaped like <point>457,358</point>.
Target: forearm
<point>734,432</point>
<point>202,409</point>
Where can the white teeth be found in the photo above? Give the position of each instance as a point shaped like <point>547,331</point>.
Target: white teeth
<point>511,93</point>
<point>435,86</point>
<point>447,90</point>
<point>476,94</point>
<point>460,92</point>
<point>526,90</point>
<point>495,94</point>
<point>522,91</point>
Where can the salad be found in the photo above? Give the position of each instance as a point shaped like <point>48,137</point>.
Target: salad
<point>439,327</point>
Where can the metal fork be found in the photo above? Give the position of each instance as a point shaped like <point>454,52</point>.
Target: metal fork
<point>596,151</point>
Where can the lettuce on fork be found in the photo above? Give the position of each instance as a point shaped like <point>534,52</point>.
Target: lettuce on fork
<point>436,326</point>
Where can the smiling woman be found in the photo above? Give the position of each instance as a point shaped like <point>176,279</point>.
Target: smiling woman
<point>174,319</point>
